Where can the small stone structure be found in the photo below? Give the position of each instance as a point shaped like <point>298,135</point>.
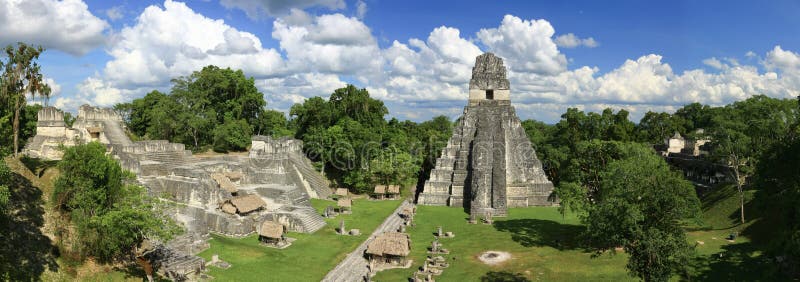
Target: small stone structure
<point>389,250</point>
<point>345,205</point>
<point>437,248</point>
<point>407,214</point>
<point>271,234</point>
<point>329,212</point>
<point>341,192</point>
<point>489,162</point>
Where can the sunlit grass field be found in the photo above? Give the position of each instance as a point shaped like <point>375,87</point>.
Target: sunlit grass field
<point>309,258</point>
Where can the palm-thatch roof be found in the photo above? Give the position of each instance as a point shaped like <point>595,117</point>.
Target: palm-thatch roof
<point>345,202</point>
<point>224,182</point>
<point>94,129</point>
<point>234,175</point>
<point>247,203</point>
<point>393,189</point>
<point>341,191</point>
<point>390,243</point>
<point>228,208</point>
<point>380,189</point>
<point>271,229</point>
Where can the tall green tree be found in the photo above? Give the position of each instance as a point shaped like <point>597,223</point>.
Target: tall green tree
<point>21,77</point>
<point>778,176</point>
<point>111,216</point>
<point>639,206</point>
<point>213,107</point>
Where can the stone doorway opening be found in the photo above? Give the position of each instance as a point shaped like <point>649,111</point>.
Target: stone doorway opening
<point>489,94</point>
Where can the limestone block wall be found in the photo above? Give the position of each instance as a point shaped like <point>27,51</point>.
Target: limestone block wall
<point>453,180</point>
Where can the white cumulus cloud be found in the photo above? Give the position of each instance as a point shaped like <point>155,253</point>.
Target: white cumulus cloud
<point>527,45</point>
<point>417,77</point>
<point>62,25</point>
<point>570,40</point>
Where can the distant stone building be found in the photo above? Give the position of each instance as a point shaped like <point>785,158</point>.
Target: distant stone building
<point>489,163</point>
<point>92,124</point>
<point>677,144</point>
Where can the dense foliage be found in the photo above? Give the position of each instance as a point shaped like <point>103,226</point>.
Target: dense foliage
<point>5,180</point>
<point>584,153</point>
<point>111,216</point>
<point>358,148</point>
<point>213,107</point>
<point>639,205</point>
<point>778,177</point>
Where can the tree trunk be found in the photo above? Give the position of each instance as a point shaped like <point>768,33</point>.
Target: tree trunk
<point>741,203</point>
<point>16,126</point>
<point>739,188</point>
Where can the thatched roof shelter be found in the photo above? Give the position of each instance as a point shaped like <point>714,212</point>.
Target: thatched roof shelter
<point>247,203</point>
<point>390,243</point>
<point>341,192</point>
<point>234,175</point>
<point>228,208</point>
<point>393,189</point>
<point>380,189</point>
<point>271,229</point>
<point>345,202</point>
<point>94,129</point>
<point>224,182</point>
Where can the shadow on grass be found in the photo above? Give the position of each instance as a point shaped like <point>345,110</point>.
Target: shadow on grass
<point>742,261</point>
<point>36,165</point>
<point>537,232</point>
<point>25,253</point>
<point>737,262</point>
<point>503,276</point>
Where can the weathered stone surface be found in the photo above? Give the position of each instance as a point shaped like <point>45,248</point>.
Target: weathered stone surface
<point>275,172</point>
<point>489,73</point>
<point>489,163</point>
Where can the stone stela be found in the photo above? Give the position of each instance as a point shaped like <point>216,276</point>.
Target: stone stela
<point>489,163</point>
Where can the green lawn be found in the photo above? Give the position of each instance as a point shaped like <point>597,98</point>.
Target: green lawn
<point>309,258</point>
<point>721,260</point>
<point>543,245</point>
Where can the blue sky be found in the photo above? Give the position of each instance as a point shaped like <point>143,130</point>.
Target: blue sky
<point>416,55</point>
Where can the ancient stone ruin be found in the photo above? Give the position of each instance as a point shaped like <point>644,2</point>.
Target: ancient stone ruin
<point>489,163</point>
<point>225,194</point>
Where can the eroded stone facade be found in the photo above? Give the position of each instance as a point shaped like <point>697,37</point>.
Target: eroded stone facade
<point>489,163</point>
<point>274,170</point>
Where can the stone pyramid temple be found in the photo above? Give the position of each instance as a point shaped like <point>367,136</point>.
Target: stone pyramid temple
<point>489,163</point>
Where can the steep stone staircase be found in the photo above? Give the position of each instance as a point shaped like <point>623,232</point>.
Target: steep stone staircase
<point>313,177</point>
<point>115,134</point>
